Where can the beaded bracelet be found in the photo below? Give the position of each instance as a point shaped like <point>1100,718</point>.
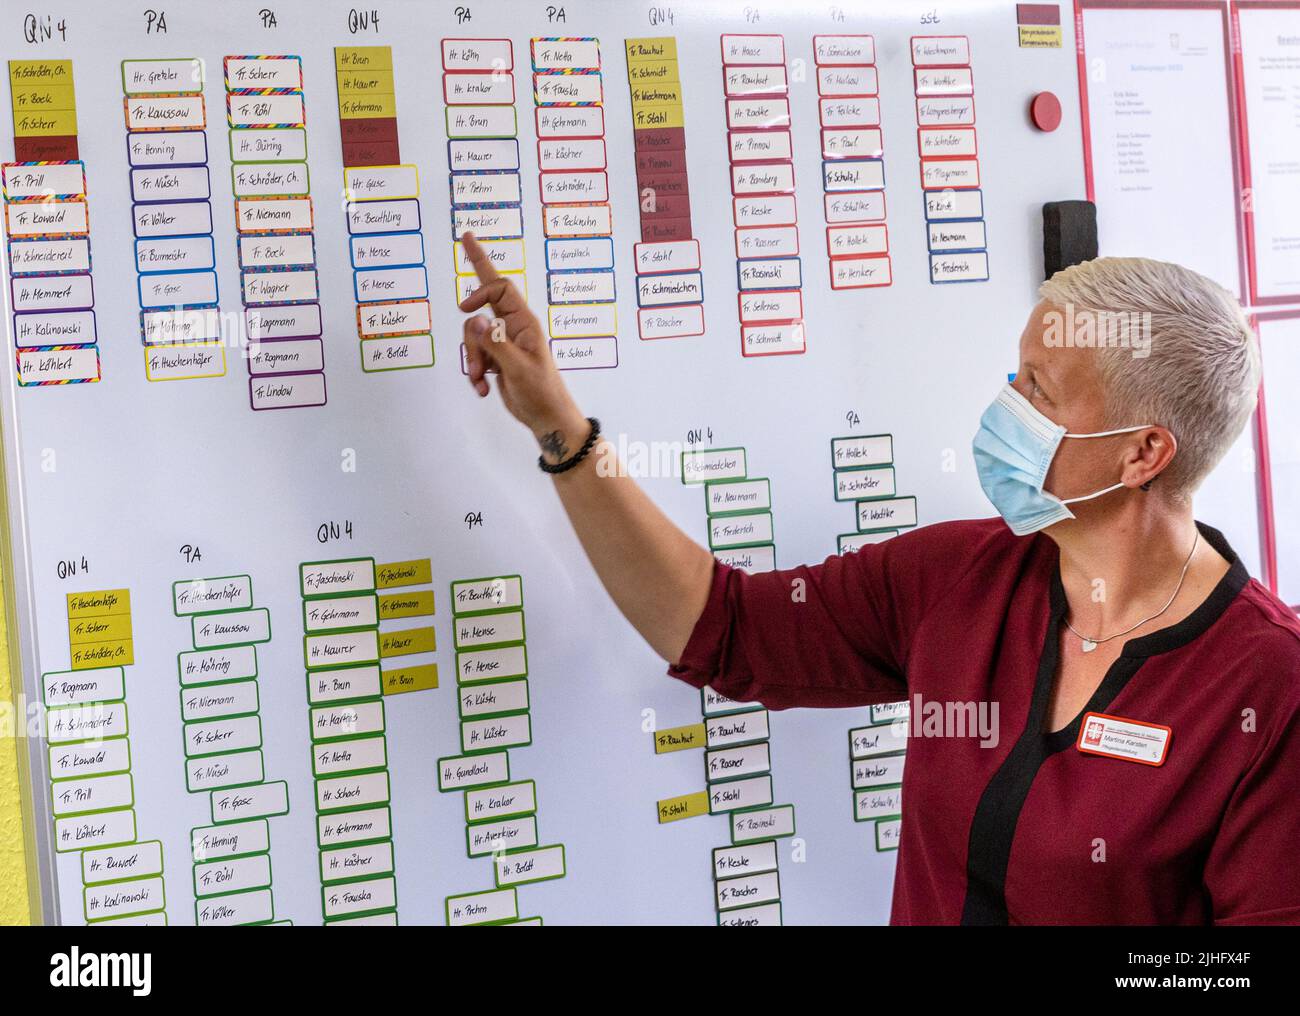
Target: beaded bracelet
<point>578,456</point>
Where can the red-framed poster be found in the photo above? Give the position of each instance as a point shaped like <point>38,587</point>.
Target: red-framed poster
<point>1277,439</point>
<point>1266,74</point>
<point>1157,95</point>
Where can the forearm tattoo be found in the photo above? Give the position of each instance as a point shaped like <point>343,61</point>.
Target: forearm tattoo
<point>553,446</point>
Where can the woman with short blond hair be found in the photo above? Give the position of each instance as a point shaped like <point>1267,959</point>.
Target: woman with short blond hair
<point>1146,766</point>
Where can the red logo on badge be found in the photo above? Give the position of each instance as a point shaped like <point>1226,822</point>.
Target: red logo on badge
<point>1093,733</point>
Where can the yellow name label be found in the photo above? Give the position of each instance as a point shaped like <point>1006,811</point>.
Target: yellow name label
<point>669,94</point>
<point>679,738</point>
<point>103,654</point>
<point>403,573</point>
<point>30,72</point>
<point>407,642</point>
<point>414,604</point>
<point>99,628</point>
<point>356,84</point>
<point>658,48</point>
<point>652,72</point>
<point>37,98</point>
<point>100,602</point>
<point>404,679</point>
<point>372,58</point>
<point>43,124</point>
<point>1040,36</point>
<point>671,809</point>
<point>645,117</point>
<point>368,106</point>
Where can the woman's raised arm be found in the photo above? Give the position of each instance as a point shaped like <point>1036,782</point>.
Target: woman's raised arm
<point>657,576</point>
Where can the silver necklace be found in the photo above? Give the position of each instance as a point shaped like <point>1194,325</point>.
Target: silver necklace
<point>1090,644</point>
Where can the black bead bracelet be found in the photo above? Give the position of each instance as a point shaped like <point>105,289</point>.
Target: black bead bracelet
<point>578,456</point>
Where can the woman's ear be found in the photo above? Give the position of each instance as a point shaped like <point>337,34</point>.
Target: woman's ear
<point>1149,456</point>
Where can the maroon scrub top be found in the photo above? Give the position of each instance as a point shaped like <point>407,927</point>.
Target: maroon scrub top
<point>1032,830</point>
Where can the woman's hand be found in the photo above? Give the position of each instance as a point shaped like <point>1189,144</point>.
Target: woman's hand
<point>513,345</point>
<point>657,575</point>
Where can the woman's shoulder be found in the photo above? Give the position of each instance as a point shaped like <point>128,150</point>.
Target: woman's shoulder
<point>1258,650</point>
<point>924,566</point>
<point>963,542</point>
<point>1272,628</point>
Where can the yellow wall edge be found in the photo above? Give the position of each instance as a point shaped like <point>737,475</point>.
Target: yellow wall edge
<point>19,899</point>
<point>14,898</point>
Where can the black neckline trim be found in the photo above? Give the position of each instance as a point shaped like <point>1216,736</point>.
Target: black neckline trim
<point>1194,624</point>
<point>1137,651</point>
<point>993,826</point>
<point>1212,607</point>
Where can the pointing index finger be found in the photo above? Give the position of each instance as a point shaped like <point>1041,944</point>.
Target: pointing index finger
<point>493,288</point>
<point>478,257</point>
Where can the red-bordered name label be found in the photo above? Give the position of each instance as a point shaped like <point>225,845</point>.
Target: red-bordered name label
<point>1121,738</point>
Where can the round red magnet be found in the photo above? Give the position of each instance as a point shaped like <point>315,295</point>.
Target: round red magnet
<point>1045,111</point>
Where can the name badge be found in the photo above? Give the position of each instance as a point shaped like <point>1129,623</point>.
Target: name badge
<point>1130,740</point>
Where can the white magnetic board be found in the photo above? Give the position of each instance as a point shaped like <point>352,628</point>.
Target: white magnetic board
<point>114,484</point>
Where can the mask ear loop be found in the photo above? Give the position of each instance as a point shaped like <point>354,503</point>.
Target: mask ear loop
<point>1089,497</point>
<point>1108,433</point>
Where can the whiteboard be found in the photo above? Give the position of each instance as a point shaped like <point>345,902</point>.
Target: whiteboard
<point>113,484</point>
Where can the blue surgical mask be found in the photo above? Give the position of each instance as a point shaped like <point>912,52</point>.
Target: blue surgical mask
<point>1014,448</point>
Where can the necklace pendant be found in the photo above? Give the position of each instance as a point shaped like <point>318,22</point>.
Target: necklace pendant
<point>1089,645</point>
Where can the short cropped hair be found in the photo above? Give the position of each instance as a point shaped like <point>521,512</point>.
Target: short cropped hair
<point>1195,370</point>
